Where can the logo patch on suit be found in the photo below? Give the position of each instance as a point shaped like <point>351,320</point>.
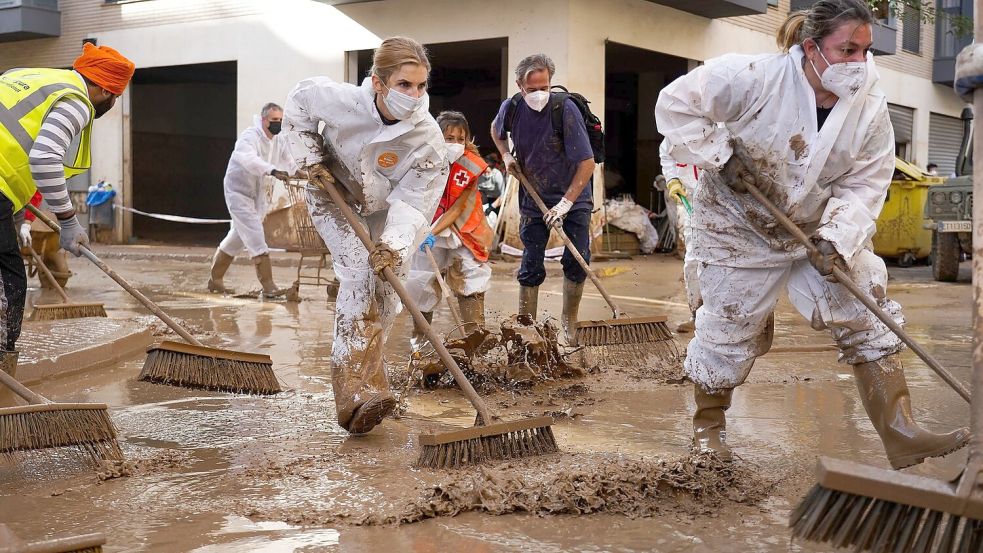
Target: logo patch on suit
<point>387,160</point>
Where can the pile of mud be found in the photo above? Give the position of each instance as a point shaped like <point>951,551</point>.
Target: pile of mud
<point>139,464</point>
<point>159,329</point>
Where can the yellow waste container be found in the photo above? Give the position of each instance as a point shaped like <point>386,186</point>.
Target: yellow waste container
<point>901,231</point>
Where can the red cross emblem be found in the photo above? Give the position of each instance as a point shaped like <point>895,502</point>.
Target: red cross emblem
<point>461,178</point>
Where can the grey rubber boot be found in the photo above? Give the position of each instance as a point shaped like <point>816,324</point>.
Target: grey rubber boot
<point>528,300</point>
<point>472,311</point>
<point>8,364</point>
<point>884,393</point>
<point>572,293</point>
<point>221,262</point>
<point>709,422</point>
<point>264,272</point>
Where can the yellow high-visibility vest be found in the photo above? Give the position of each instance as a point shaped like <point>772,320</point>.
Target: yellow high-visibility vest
<point>26,97</point>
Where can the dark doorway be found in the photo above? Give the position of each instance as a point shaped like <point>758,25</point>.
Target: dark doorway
<point>633,79</point>
<point>183,132</point>
<point>466,77</point>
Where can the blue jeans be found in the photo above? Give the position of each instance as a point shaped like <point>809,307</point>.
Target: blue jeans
<point>534,235</point>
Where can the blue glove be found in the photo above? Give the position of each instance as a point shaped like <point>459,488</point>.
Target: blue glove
<point>428,242</point>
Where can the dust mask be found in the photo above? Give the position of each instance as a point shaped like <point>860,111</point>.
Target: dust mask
<point>842,79</point>
<point>537,100</point>
<point>454,151</point>
<point>400,105</point>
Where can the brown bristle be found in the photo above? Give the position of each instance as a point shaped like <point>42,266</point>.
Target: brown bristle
<point>59,311</point>
<point>88,431</point>
<point>509,445</point>
<point>206,372</point>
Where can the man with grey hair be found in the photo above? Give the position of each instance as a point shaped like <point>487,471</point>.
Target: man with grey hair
<point>246,199</point>
<point>559,162</point>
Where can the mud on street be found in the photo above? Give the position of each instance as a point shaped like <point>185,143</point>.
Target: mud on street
<point>219,472</point>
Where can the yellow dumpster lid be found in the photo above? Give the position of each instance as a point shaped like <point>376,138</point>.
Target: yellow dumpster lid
<point>908,169</point>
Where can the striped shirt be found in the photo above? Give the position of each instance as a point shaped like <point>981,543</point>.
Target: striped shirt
<point>60,128</point>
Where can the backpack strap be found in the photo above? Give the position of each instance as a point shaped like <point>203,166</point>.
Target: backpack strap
<point>558,102</point>
<point>511,111</point>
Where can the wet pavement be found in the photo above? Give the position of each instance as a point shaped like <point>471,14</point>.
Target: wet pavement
<point>216,472</point>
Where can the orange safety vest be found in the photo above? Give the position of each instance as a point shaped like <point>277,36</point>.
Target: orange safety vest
<point>471,226</point>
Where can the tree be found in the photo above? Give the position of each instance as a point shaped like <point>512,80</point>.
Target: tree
<point>921,10</point>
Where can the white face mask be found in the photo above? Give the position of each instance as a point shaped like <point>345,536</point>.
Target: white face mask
<point>537,100</point>
<point>842,79</point>
<point>402,106</point>
<point>454,151</point>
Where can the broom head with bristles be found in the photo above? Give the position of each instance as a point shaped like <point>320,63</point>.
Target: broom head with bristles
<point>635,335</point>
<point>871,509</point>
<point>86,427</point>
<point>494,442</point>
<point>204,368</point>
<point>59,311</point>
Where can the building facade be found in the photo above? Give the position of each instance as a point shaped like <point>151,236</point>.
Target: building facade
<point>205,68</point>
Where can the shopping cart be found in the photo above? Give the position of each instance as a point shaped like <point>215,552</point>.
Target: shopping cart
<point>288,226</point>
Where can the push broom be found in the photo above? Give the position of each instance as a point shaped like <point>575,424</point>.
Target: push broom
<point>192,365</point>
<point>85,543</point>
<point>65,310</point>
<point>872,509</point>
<point>43,424</point>
<point>622,334</point>
<point>486,441</point>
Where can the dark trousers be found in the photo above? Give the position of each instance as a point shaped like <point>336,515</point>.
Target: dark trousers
<point>13,279</point>
<point>534,234</point>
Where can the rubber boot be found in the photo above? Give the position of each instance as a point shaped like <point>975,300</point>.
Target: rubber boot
<point>884,393</point>
<point>528,300</point>
<point>221,262</point>
<point>419,340</point>
<point>360,383</point>
<point>472,311</point>
<point>264,272</point>
<point>709,423</point>
<point>8,364</point>
<point>572,293</point>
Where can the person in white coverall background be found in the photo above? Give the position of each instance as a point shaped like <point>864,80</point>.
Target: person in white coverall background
<point>681,180</point>
<point>387,155</point>
<point>817,127</point>
<point>246,200</point>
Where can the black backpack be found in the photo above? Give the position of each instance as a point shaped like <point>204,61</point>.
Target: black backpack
<point>557,99</point>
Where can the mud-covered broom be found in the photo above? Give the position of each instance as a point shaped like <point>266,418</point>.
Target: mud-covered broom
<point>84,543</point>
<point>621,335</point>
<point>486,441</point>
<point>43,424</point>
<point>65,310</point>
<point>192,365</point>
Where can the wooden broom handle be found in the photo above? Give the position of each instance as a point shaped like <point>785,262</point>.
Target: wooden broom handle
<point>22,390</point>
<point>47,274</point>
<point>445,289</point>
<point>153,307</point>
<point>401,291</point>
<point>848,283</point>
<point>618,313</point>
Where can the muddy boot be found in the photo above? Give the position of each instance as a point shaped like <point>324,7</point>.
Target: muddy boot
<point>8,364</point>
<point>419,340</point>
<point>472,311</point>
<point>884,393</point>
<point>709,424</point>
<point>361,386</point>
<point>528,300</point>
<point>264,272</point>
<point>688,326</point>
<point>572,292</point>
<point>221,262</point>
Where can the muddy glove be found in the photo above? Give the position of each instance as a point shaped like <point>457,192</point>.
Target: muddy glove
<point>428,242</point>
<point>281,175</point>
<point>825,257</point>
<point>72,235</point>
<point>510,164</point>
<point>24,235</point>
<point>319,175</point>
<point>554,217</point>
<point>383,256</point>
<point>736,174</point>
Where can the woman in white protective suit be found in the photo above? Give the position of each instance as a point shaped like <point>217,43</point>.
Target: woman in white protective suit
<point>460,235</point>
<point>387,155</point>
<point>817,127</point>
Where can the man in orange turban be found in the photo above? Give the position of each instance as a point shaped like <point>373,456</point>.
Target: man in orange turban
<point>46,119</point>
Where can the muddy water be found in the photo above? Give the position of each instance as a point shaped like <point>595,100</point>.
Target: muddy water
<point>214,472</point>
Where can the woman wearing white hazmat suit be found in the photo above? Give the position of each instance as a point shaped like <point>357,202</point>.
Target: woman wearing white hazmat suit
<point>817,127</point>
<point>387,155</point>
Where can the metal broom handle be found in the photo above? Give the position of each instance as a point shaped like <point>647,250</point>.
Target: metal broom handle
<point>42,268</point>
<point>570,247</point>
<point>119,280</point>
<point>390,275</point>
<point>848,283</point>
